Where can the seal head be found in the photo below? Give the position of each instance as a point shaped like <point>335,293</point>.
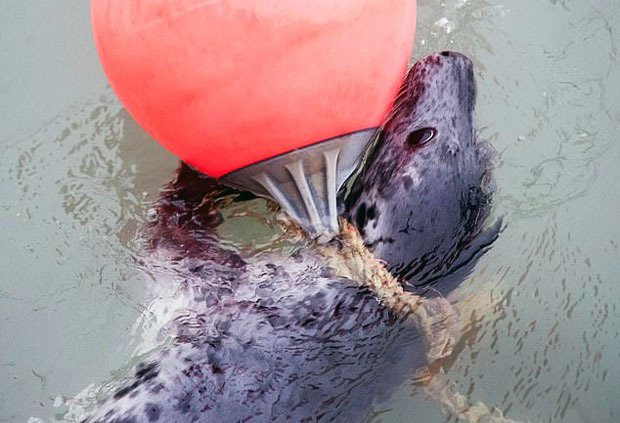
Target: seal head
<point>426,194</point>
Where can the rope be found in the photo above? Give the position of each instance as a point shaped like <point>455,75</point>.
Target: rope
<point>436,318</point>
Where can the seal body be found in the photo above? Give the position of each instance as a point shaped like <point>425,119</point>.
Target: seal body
<point>285,342</point>
<point>275,338</point>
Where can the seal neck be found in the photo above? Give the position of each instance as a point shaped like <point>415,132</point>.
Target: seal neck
<point>305,182</point>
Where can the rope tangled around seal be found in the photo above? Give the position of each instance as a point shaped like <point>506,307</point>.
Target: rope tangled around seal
<point>436,318</point>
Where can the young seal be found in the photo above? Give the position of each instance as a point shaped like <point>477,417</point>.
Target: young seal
<point>324,332</point>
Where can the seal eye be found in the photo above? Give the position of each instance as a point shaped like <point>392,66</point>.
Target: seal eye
<point>421,136</point>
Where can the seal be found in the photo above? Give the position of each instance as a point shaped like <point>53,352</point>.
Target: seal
<point>321,332</point>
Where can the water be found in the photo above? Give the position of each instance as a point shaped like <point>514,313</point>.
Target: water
<point>77,178</point>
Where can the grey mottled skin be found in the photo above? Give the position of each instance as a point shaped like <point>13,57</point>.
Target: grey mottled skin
<point>420,207</point>
<point>278,338</point>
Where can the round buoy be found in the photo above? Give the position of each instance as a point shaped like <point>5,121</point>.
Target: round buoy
<point>227,83</point>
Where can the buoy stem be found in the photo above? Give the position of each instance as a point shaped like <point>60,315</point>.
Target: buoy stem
<point>305,182</point>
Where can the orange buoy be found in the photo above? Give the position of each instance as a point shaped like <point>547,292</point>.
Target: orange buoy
<point>227,84</point>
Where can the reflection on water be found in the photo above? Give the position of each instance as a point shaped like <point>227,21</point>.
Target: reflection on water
<point>541,345</point>
<point>73,199</point>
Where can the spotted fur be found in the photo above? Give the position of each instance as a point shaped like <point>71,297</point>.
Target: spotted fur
<point>420,207</point>
<point>275,338</point>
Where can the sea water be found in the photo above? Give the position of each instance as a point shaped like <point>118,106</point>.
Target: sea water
<point>78,177</point>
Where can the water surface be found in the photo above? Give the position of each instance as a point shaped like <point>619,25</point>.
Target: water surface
<point>77,177</point>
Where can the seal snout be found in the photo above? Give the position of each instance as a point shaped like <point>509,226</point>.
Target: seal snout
<point>454,76</point>
<point>451,60</point>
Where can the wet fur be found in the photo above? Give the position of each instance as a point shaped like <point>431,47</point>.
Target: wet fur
<point>421,207</point>
<point>283,338</point>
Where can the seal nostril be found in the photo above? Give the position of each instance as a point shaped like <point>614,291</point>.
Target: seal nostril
<point>445,53</point>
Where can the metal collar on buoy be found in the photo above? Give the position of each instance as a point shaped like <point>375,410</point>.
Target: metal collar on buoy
<point>305,182</point>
